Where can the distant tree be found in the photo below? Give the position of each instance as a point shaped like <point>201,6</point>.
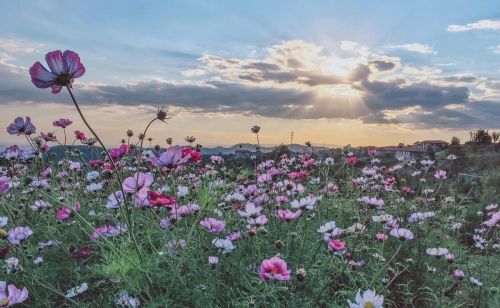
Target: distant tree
<point>495,136</point>
<point>401,145</point>
<point>481,137</point>
<point>431,153</point>
<point>455,141</point>
<point>280,150</point>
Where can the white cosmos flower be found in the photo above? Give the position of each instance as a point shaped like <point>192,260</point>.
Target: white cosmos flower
<point>369,299</point>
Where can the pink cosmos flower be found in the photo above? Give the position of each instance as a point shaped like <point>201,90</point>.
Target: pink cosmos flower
<point>63,123</point>
<point>63,213</point>
<point>20,126</point>
<point>15,296</point>
<point>138,185</point>
<point>171,158</point>
<point>440,175</point>
<point>337,245</point>
<point>213,260</point>
<point>381,236</point>
<point>402,234</point>
<point>160,199</point>
<point>274,269</point>
<point>4,183</point>
<point>19,234</point>
<point>80,135</point>
<point>64,68</point>
<point>108,231</point>
<point>137,182</point>
<point>494,219</point>
<point>213,225</point>
<point>459,274</point>
<point>287,215</point>
<point>119,152</point>
<point>351,160</point>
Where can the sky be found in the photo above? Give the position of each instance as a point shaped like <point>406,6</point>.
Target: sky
<point>333,72</point>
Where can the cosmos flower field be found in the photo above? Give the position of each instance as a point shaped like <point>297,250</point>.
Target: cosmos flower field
<point>167,227</point>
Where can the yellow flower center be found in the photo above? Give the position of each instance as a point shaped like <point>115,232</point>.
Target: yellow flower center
<point>369,305</point>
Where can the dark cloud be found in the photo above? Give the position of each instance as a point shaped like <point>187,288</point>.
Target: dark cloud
<point>382,65</point>
<point>399,95</point>
<point>464,79</point>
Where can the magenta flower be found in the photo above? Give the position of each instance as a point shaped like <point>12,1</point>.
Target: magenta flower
<point>20,126</point>
<point>337,245</point>
<point>63,123</point>
<point>4,183</point>
<point>63,213</point>
<point>274,269</point>
<point>119,151</point>
<point>213,225</point>
<point>64,68</point>
<point>171,158</point>
<point>15,296</point>
<point>19,234</point>
<point>80,135</point>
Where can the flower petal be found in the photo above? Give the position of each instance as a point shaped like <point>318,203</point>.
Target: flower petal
<point>56,63</point>
<point>72,60</point>
<point>41,77</point>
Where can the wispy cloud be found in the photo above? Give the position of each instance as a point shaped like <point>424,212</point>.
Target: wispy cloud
<point>415,47</point>
<point>495,49</point>
<point>18,46</point>
<point>483,24</point>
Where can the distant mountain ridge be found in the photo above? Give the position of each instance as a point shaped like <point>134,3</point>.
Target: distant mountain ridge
<point>58,151</point>
<point>252,148</point>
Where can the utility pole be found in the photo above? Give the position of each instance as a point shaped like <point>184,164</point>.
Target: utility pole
<point>291,142</point>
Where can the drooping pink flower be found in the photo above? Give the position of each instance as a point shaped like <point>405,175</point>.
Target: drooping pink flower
<point>274,269</point>
<point>63,123</point>
<point>64,68</point>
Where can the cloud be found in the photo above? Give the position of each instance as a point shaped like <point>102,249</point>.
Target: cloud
<point>296,80</point>
<point>415,47</point>
<point>18,46</point>
<point>479,25</point>
<point>495,49</point>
